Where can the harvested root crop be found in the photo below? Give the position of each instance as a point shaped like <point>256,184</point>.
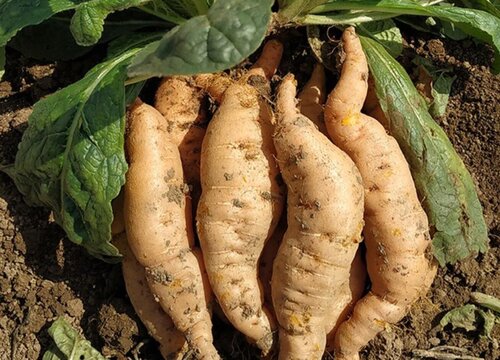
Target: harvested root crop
<point>399,261</point>
<point>313,96</point>
<point>241,199</point>
<point>180,102</point>
<point>325,219</point>
<point>157,225</point>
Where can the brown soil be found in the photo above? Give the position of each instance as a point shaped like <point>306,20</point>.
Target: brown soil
<point>43,275</point>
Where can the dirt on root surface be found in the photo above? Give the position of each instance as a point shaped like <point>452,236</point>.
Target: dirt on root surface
<point>43,275</point>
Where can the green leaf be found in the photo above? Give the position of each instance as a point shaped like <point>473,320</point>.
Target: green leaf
<point>493,7</point>
<point>16,14</point>
<point>87,23</point>
<point>477,23</point>
<point>290,9</point>
<point>71,158</point>
<point>463,317</point>
<point>441,89</point>
<point>440,84</point>
<point>444,185</point>
<point>451,31</point>
<point>487,301</point>
<point>69,345</point>
<point>227,34</point>
<point>386,33</point>
<point>470,318</point>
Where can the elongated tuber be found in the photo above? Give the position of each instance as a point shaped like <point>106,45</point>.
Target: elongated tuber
<point>157,225</point>
<point>325,219</point>
<point>241,199</point>
<point>399,261</point>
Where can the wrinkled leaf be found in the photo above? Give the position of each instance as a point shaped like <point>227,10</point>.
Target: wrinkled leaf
<point>68,344</point>
<point>87,23</point>
<point>477,23</point>
<point>71,158</point>
<point>386,33</point>
<point>227,34</point>
<point>470,318</point>
<point>16,14</point>
<point>487,301</point>
<point>445,187</point>
<point>463,317</point>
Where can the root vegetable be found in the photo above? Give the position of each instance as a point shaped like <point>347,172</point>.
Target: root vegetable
<point>325,218</point>
<point>157,225</point>
<point>241,198</point>
<point>157,322</point>
<point>313,96</point>
<point>180,102</point>
<point>348,297</point>
<point>267,259</point>
<point>399,261</point>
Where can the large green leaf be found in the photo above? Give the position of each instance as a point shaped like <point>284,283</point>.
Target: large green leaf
<point>16,14</point>
<point>69,345</point>
<point>227,34</point>
<point>290,9</point>
<point>385,32</point>
<point>444,184</point>
<point>87,23</point>
<point>477,23</point>
<point>71,158</point>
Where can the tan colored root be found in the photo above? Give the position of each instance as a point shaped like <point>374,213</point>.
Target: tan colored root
<point>353,292</point>
<point>325,218</point>
<point>180,102</point>
<point>313,96</point>
<point>396,231</point>
<point>269,60</point>
<point>157,224</point>
<point>240,205</point>
<point>214,84</point>
<point>159,325</point>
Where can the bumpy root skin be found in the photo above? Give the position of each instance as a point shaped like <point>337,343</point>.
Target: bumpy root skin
<point>157,224</point>
<point>325,218</point>
<point>159,325</point>
<point>313,96</point>
<point>241,200</point>
<point>396,234</point>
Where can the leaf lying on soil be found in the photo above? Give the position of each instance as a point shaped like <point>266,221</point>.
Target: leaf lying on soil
<point>68,344</point>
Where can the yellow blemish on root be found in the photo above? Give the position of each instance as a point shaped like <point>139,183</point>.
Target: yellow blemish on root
<point>396,232</point>
<point>295,321</point>
<point>350,120</point>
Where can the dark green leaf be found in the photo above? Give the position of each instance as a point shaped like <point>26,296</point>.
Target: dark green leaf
<point>227,34</point>
<point>71,157</point>
<point>16,14</point>
<point>451,31</point>
<point>445,186</point>
<point>386,33</point>
<point>87,24</point>
<point>69,345</point>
